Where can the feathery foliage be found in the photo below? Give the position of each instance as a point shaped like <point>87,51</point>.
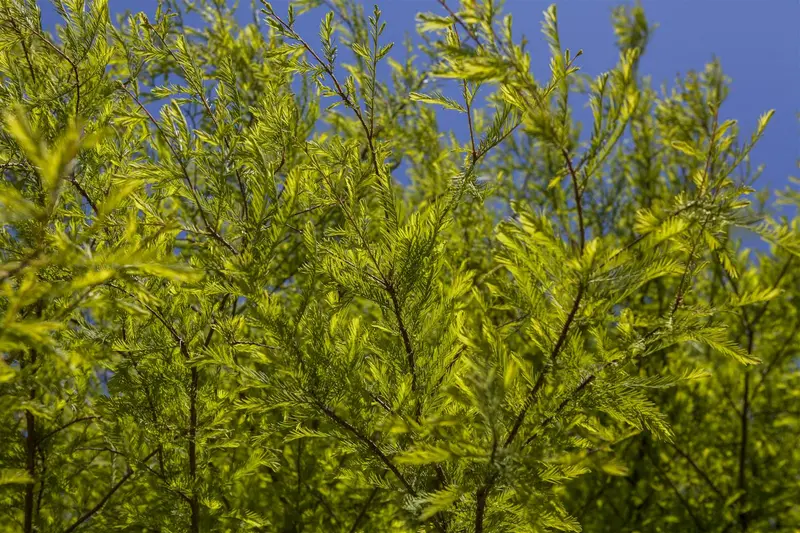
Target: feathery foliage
<point>248,282</point>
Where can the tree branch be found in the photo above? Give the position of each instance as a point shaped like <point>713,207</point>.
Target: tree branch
<point>578,198</point>
<point>534,392</point>
<point>94,510</point>
<point>364,510</point>
<point>65,426</point>
<point>369,444</point>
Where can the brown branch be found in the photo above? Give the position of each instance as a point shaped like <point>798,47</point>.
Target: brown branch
<point>30,465</point>
<point>321,499</point>
<point>341,93</point>
<point>185,173</point>
<point>65,426</point>
<point>663,475</point>
<point>194,503</point>
<point>480,507</point>
<point>192,451</point>
<point>697,469</point>
<point>640,238</point>
<point>31,447</point>
<point>207,106</point>
<point>744,422</point>
<point>66,58</point>
<point>781,353</point>
<point>449,368</point>
<point>83,193</point>
<point>577,392</point>
<point>578,198</point>
<point>482,493</point>
<point>366,441</point>
<point>364,510</point>
<point>397,110</point>
<point>94,510</point>
<point>404,334</point>
<point>157,314</point>
<point>749,324</point>
<point>534,392</point>
<point>469,121</point>
<point>760,314</point>
<point>472,35</point>
<point>708,170</point>
<point>24,49</point>
<point>42,476</point>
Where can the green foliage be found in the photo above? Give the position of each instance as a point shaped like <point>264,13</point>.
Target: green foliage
<point>225,308</point>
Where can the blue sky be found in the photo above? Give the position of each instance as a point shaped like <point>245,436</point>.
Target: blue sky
<point>756,40</point>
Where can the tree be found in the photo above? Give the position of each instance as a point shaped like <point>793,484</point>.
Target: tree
<point>225,309</point>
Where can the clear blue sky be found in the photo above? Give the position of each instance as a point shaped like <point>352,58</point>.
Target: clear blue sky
<point>756,40</point>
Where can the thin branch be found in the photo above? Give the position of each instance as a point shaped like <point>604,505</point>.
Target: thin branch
<point>709,168</point>
<point>412,366</point>
<point>760,314</point>
<point>321,499</point>
<point>534,392</point>
<point>578,197</point>
<point>65,426</point>
<point>84,194</point>
<point>697,469</point>
<point>369,444</point>
<point>66,58</point>
<point>374,449</point>
<point>192,450</point>
<point>641,237</point>
<point>30,466</point>
<point>94,510</point>
<point>364,510</point>
<point>340,92</point>
<point>743,443</point>
<point>472,35</point>
<point>175,335</point>
<point>207,106</point>
<point>24,49</point>
<point>212,231</point>
<point>663,475</point>
<point>482,493</point>
<point>398,109</point>
<point>449,368</point>
<point>31,446</point>
<point>42,477</point>
<point>779,356</point>
<point>468,104</point>
<point>577,392</point>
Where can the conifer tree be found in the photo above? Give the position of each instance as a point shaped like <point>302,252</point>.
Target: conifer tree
<point>248,282</point>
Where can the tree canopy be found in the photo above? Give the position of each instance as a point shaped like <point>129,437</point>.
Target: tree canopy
<point>251,282</point>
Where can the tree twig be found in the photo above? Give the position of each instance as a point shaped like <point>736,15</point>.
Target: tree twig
<point>94,510</point>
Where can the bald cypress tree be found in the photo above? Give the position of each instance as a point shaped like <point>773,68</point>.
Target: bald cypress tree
<point>249,282</point>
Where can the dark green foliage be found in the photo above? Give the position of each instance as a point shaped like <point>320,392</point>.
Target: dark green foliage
<point>225,308</point>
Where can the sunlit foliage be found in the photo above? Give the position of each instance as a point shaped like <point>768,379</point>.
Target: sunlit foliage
<point>251,281</point>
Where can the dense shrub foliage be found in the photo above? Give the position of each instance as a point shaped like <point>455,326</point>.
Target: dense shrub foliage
<point>255,282</point>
